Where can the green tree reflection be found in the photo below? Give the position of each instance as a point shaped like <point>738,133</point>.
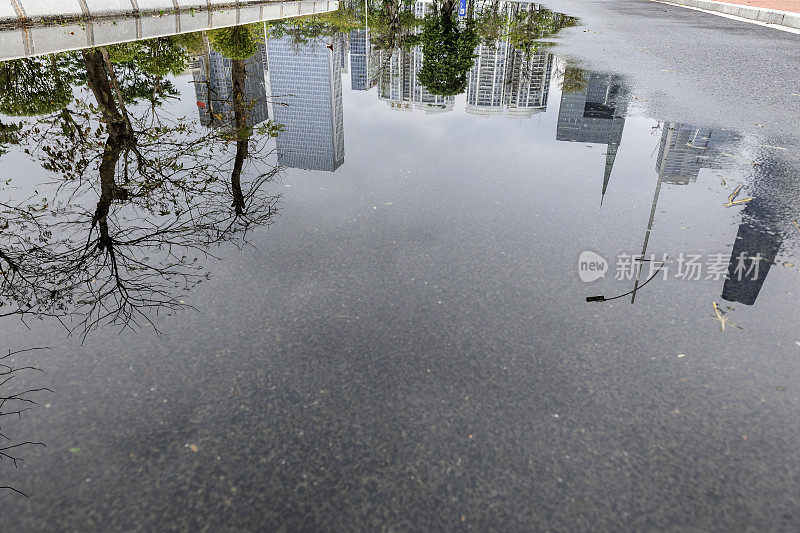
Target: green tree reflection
<point>448,49</point>
<point>236,42</point>
<point>34,86</point>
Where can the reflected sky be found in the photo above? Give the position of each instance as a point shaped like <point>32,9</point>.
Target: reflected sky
<point>398,336</point>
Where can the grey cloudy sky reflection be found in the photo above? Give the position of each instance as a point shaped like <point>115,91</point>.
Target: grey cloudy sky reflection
<point>437,263</point>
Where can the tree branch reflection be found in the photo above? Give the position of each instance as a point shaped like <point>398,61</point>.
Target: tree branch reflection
<point>166,195</point>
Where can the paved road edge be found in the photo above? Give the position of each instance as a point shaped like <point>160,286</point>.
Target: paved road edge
<point>773,17</point>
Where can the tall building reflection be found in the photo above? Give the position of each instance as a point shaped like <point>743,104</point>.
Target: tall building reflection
<point>341,50</point>
<point>759,237</point>
<point>399,85</point>
<point>504,78</point>
<point>753,253</point>
<point>398,75</point>
<point>305,82</point>
<point>690,149</point>
<point>360,79</point>
<point>213,86</point>
<point>685,149</point>
<point>594,112</point>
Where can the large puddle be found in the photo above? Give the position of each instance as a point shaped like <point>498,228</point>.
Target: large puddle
<point>387,270</point>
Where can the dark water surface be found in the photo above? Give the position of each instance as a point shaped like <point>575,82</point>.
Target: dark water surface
<point>402,340</point>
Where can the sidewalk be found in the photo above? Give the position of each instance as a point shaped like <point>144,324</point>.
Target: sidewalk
<point>780,5</point>
<point>781,14</point>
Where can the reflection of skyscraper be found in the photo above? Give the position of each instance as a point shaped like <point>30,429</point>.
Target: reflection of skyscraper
<point>359,60</point>
<point>486,79</point>
<point>754,251</point>
<point>503,78</point>
<point>766,221</point>
<point>688,150</point>
<point>341,50</point>
<point>423,8</point>
<point>213,85</point>
<point>306,90</point>
<point>595,113</point>
<point>399,85</point>
<point>529,82</point>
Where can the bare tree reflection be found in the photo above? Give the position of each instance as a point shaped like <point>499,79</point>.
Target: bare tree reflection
<point>163,202</point>
<point>14,405</point>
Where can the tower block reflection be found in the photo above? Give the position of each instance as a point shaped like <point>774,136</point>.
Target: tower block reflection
<point>593,111</point>
<point>213,86</point>
<point>305,83</point>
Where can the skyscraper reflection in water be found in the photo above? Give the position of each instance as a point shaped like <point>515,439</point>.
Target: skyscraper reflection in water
<point>399,85</point>
<point>359,60</point>
<point>593,108</point>
<point>689,149</point>
<point>683,151</point>
<point>305,87</point>
<point>213,86</point>
<point>753,253</point>
<point>506,79</point>
<point>765,220</point>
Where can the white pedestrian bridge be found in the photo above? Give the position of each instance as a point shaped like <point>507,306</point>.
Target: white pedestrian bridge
<point>34,27</point>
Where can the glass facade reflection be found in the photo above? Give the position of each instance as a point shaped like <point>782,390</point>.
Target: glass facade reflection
<point>305,82</point>
<point>213,86</point>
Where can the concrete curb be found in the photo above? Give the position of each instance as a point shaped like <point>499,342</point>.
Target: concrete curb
<point>767,16</point>
<point>34,29</point>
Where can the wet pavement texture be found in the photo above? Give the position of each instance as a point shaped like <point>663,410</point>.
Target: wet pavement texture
<point>402,340</point>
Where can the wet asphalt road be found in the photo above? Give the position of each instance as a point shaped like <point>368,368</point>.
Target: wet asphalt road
<point>407,348</point>
<point>689,66</point>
